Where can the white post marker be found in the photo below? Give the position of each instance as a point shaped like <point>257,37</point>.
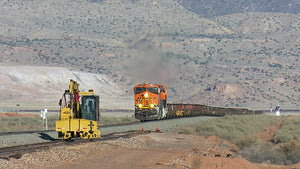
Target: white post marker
<point>277,112</point>
<point>44,117</point>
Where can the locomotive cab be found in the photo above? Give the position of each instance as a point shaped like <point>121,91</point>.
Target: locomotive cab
<point>150,101</point>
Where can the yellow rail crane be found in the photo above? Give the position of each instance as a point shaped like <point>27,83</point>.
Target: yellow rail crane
<point>79,113</point>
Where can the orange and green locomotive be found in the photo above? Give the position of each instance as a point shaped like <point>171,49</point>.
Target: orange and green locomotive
<point>150,101</point>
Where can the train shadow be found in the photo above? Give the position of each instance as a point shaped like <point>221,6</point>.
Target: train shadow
<point>47,137</point>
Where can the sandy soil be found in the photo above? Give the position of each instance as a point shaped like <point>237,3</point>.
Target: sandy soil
<point>159,150</point>
<point>168,151</point>
<point>150,151</point>
<point>162,150</point>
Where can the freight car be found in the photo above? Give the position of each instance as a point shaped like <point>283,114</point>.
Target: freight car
<point>187,110</point>
<point>151,104</point>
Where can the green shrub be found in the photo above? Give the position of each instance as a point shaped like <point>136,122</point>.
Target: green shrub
<point>246,141</point>
<point>291,151</point>
<point>259,152</point>
<point>236,128</point>
<point>288,130</point>
<point>263,153</point>
<point>241,130</point>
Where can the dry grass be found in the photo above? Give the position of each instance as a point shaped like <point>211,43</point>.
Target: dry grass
<point>289,130</point>
<point>35,123</point>
<point>266,152</point>
<point>236,128</point>
<point>241,130</point>
<point>263,152</point>
<point>25,123</point>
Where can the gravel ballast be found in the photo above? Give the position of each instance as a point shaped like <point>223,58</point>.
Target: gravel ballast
<point>162,125</point>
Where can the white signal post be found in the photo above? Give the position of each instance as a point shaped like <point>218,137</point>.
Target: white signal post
<point>44,117</point>
<point>277,112</point>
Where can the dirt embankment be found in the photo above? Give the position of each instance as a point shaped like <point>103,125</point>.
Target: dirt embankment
<point>150,151</point>
<point>156,150</point>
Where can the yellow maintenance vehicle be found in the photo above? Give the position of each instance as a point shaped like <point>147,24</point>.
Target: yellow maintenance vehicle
<point>79,113</point>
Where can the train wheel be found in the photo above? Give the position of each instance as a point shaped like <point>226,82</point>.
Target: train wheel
<point>60,134</point>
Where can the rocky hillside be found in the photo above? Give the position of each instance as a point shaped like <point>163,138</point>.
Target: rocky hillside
<point>246,58</point>
<point>212,8</point>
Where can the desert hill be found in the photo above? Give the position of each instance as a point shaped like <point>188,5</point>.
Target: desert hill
<point>247,58</point>
<point>39,87</point>
<point>209,8</point>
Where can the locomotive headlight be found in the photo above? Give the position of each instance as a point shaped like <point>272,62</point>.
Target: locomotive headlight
<point>140,105</point>
<point>152,105</point>
<point>146,95</point>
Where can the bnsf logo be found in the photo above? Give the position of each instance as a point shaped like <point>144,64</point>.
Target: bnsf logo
<point>142,98</point>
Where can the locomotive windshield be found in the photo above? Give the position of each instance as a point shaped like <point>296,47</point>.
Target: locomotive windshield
<point>153,90</point>
<point>140,90</point>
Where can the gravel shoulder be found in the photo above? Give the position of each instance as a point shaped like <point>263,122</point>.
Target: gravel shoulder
<point>163,125</point>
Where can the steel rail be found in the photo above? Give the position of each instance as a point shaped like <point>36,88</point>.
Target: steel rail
<point>17,151</point>
<point>43,131</point>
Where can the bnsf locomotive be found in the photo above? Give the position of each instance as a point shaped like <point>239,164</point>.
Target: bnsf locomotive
<point>150,101</point>
<point>151,104</point>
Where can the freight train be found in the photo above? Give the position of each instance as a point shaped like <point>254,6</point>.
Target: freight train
<point>151,104</point>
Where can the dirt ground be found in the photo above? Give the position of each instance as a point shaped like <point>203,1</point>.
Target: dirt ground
<point>149,151</point>
<point>167,151</point>
<point>157,150</point>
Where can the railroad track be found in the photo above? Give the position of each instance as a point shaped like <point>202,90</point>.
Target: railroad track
<point>44,140</point>
<point>23,132</point>
<point>43,131</point>
<point>17,151</point>
<point>100,127</point>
